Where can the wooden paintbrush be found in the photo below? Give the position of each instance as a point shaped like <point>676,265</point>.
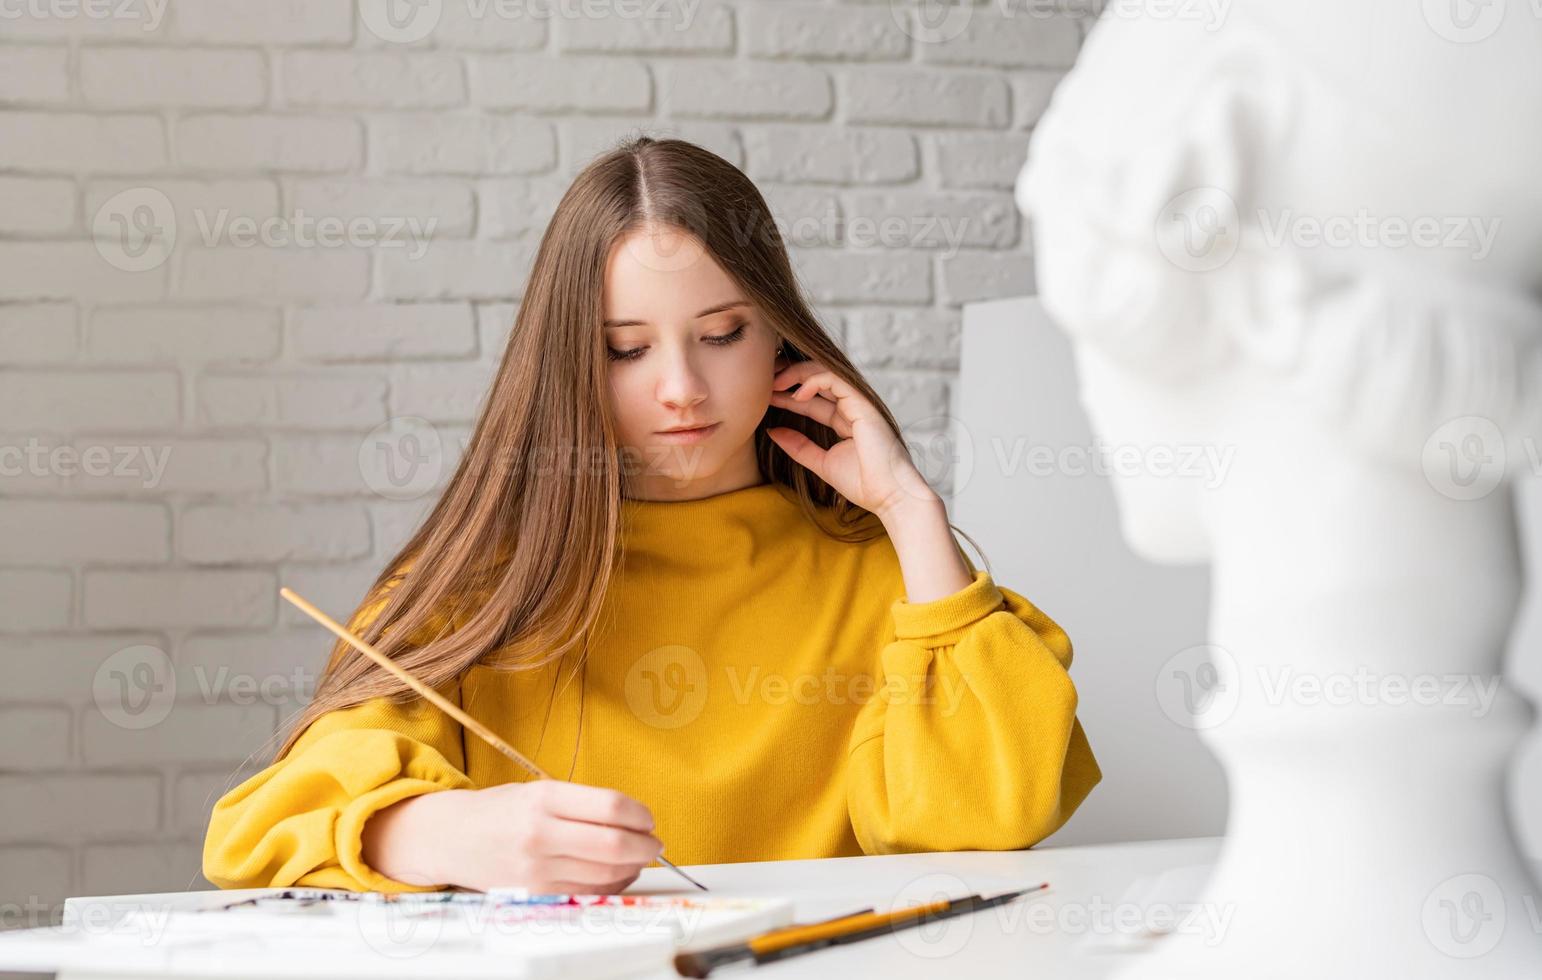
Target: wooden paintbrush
<point>438,700</point>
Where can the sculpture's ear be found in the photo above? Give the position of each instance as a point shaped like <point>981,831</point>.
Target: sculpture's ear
<point>1106,173</point>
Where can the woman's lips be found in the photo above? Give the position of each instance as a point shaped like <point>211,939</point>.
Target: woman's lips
<point>688,435</point>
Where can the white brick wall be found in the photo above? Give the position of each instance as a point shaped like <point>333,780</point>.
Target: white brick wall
<point>179,434</point>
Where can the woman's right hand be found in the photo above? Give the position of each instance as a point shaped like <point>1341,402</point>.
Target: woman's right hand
<point>546,835</point>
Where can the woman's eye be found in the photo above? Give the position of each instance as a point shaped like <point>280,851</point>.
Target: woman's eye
<point>635,352</point>
<point>729,338</point>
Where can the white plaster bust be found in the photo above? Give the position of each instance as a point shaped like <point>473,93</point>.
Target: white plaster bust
<point>1310,233</point>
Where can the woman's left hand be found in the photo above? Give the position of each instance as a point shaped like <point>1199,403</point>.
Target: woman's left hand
<point>870,466</point>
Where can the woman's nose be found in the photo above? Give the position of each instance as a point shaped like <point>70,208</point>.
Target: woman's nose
<point>680,384</point>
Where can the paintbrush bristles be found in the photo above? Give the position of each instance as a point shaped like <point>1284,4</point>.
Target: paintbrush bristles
<point>428,693</point>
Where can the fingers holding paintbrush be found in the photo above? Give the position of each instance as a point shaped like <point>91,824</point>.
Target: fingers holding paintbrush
<point>543,835</point>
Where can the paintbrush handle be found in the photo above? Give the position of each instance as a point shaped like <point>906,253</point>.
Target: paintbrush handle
<point>433,696</point>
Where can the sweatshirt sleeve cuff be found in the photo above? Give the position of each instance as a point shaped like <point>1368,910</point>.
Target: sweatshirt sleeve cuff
<point>350,833</point>
<point>941,622</point>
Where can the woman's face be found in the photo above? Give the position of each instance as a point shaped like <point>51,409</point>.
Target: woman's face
<point>685,348</point>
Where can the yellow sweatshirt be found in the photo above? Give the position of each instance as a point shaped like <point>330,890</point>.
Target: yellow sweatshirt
<point>765,690</point>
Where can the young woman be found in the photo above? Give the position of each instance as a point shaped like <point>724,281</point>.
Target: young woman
<point>754,640</point>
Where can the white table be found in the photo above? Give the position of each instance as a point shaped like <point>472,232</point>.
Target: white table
<point>1025,941</point>
<point>1062,932</point>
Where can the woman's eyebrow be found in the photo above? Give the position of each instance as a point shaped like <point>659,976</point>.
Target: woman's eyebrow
<point>719,308</point>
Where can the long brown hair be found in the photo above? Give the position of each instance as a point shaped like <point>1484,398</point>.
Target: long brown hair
<point>519,550</point>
